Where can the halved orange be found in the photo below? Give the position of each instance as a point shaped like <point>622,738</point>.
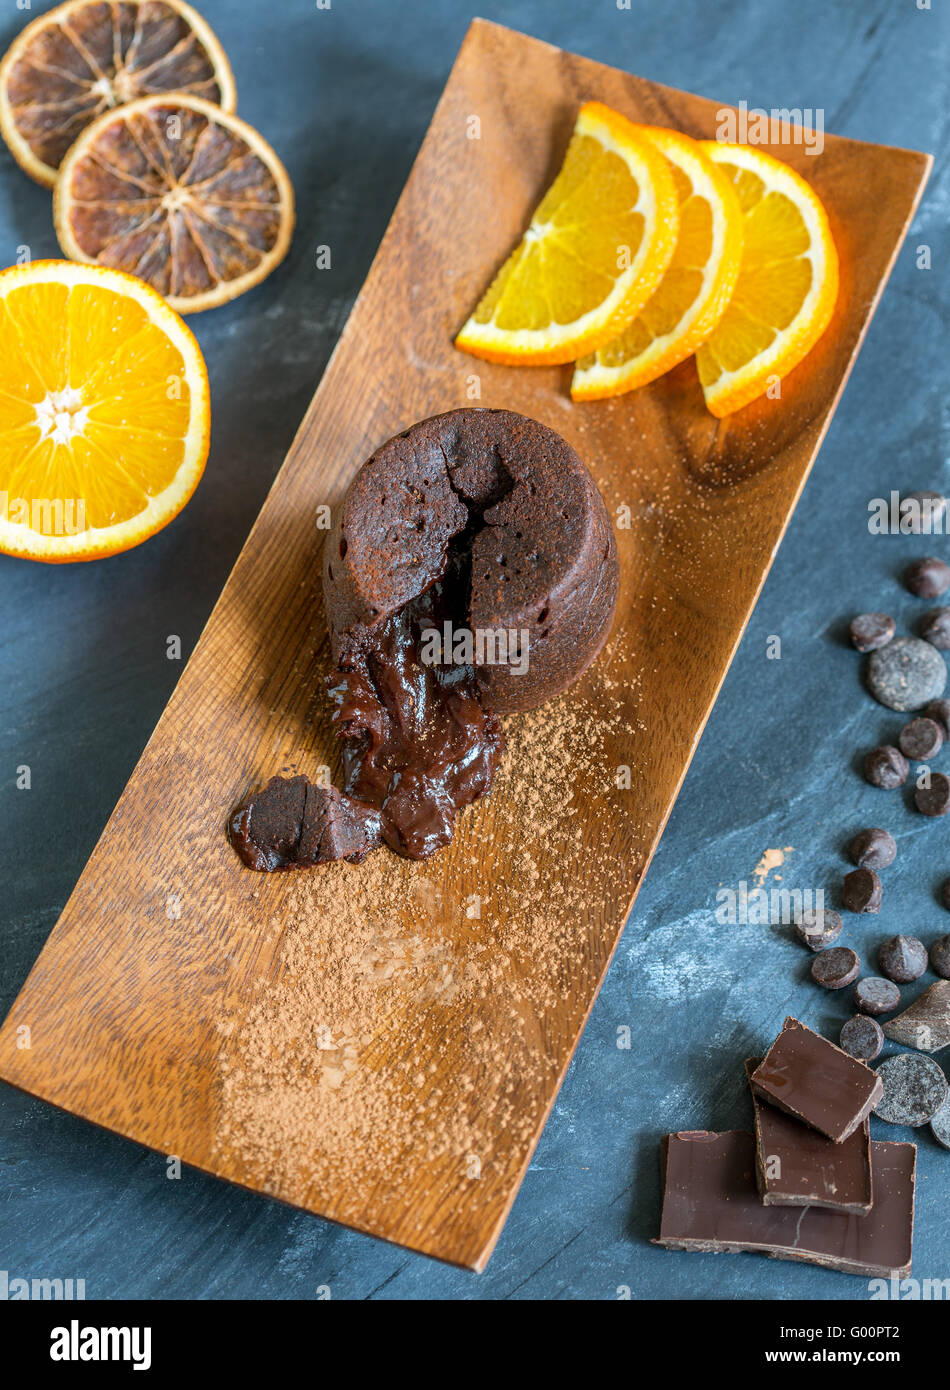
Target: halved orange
<point>174,190</point>
<point>692,296</point>
<point>88,56</point>
<point>787,286</point>
<point>104,412</point>
<point>596,248</point>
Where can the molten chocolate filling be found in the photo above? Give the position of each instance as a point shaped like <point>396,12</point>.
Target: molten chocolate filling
<point>418,746</point>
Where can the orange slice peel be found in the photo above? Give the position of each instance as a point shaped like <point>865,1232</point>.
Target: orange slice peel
<point>787,285</point>
<point>695,289</point>
<point>596,249</point>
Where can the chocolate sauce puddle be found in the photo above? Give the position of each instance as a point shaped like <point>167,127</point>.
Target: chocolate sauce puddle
<point>418,746</point>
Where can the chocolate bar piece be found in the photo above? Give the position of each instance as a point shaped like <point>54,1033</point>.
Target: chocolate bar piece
<point>797,1167</point>
<point>808,1077</point>
<point>711,1204</point>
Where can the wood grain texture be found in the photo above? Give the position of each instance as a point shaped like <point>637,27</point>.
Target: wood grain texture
<point>136,1012</point>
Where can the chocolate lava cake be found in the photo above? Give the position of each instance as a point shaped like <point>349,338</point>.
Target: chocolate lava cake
<point>470,572</point>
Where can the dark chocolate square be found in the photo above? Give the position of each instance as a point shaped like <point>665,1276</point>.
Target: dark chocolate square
<point>808,1077</point>
<point>711,1203</point>
<point>798,1167</point>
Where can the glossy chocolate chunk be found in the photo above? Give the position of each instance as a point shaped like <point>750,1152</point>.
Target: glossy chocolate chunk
<point>798,1167</point>
<point>292,824</point>
<point>807,1076</point>
<point>711,1203</point>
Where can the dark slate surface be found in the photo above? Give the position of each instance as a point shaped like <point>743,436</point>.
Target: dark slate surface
<point>345,95</point>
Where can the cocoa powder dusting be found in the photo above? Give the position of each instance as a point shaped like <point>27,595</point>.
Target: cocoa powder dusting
<point>367,1053</point>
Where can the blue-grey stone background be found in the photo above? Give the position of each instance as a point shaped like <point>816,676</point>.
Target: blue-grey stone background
<point>345,93</point>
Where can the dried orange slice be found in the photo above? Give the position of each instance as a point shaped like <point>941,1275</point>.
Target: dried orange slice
<point>692,296</point>
<point>596,248</point>
<point>787,286</point>
<point>88,56</point>
<point>178,192</point>
<point>104,412</point>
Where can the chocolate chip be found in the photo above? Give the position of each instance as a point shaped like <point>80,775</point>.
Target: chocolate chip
<point>861,1037</point>
<point>876,996</point>
<point>945,893</point>
<point>939,712</point>
<point>906,673</point>
<point>861,891</point>
<point>921,739</point>
<point>873,849</point>
<point>935,627</point>
<point>903,959</point>
<point>914,1089</point>
<point>940,957</point>
<point>921,513</point>
<point>940,1124</point>
<point>886,767</point>
<point>926,1024</point>
<point>870,631</point>
<point>928,578</point>
<point>933,799</point>
<point>835,969</point>
<point>817,927</point>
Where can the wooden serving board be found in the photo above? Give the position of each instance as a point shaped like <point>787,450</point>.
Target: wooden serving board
<point>381,1044</point>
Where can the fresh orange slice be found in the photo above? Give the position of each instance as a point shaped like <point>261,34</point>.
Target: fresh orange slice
<point>787,286</point>
<point>596,248</point>
<point>174,190</point>
<point>88,56</point>
<point>692,296</point>
<point>104,412</point>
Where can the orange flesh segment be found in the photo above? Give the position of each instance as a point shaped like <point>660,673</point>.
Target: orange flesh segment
<point>91,355</point>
